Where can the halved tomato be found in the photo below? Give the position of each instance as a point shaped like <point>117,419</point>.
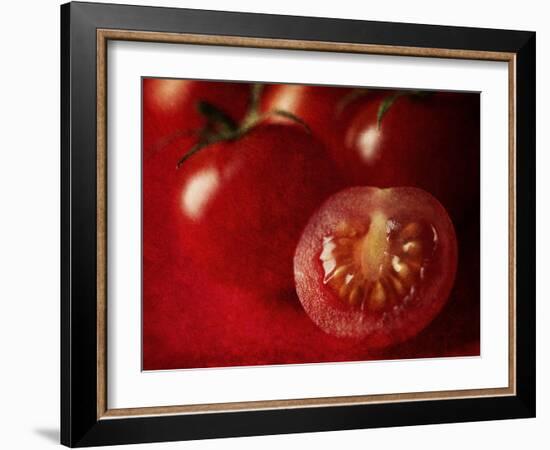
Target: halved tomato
<point>376,264</point>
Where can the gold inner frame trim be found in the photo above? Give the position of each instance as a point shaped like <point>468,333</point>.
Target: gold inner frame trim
<point>103,36</point>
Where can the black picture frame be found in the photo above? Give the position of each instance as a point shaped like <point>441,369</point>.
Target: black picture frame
<point>80,425</point>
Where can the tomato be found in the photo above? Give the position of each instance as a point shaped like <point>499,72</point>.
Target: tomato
<point>170,108</point>
<point>428,140</point>
<point>376,264</point>
<point>171,124</point>
<point>317,106</point>
<point>243,203</point>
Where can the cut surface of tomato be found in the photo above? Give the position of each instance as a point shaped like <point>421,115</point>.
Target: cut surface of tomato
<point>376,264</point>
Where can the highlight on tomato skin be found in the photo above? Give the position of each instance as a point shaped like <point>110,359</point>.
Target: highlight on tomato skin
<point>376,264</point>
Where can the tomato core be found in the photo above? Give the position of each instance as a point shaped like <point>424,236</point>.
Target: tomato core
<point>377,266</point>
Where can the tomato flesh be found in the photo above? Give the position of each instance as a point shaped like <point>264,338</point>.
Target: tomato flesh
<point>376,264</point>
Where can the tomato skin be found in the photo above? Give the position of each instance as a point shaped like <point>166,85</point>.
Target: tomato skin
<point>429,141</point>
<point>317,106</point>
<point>241,205</point>
<point>341,319</point>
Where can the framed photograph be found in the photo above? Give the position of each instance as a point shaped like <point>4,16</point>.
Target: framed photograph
<point>276,224</point>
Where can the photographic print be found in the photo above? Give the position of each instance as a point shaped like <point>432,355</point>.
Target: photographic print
<point>299,224</point>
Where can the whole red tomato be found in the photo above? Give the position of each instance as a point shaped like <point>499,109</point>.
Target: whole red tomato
<point>242,203</point>
<point>376,264</point>
<point>425,140</point>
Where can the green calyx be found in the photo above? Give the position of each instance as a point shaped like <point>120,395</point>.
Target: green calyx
<point>220,127</point>
<point>390,99</point>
